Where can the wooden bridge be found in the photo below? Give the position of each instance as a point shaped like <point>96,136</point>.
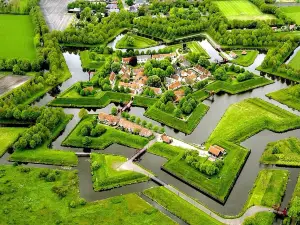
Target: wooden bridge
<point>138,154</point>
<point>127,106</point>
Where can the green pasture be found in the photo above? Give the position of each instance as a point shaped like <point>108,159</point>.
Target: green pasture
<point>138,42</point>
<point>195,47</point>
<point>242,10</point>
<point>245,60</point>
<point>8,135</point>
<point>294,63</point>
<point>16,37</point>
<point>293,12</point>
<point>45,196</point>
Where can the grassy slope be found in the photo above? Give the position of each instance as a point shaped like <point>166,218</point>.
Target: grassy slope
<point>245,60</point>
<point>260,218</point>
<point>179,207</point>
<point>87,63</point>
<point>288,152</point>
<point>268,189</point>
<point>28,199</point>
<point>218,186</point>
<point>247,85</point>
<point>186,126</point>
<point>44,155</point>
<point>196,47</point>
<point>16,37</point>
<point>293,12</point>
<point>242,10</point>
<point>288,96</point>
<point>254,116</point>
<point>294,63</point>
<point>110,137</point>
<point>8,135</point>
<point>107,177</point>
<point>139,42</point>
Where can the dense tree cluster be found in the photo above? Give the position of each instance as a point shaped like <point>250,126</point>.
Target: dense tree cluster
<point>92,129</point>
<point>94,32</point>
<point>48,119</point>
<point>201,84</point>
<point>162,68</point>
<point>180,22</point>
<point>202,164</point>
<point>149,92</point>
<point>187,105</point>
<point>85,89</point>
<point>131,52</point>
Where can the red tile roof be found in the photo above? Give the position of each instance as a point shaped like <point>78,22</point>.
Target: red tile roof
<point>175,85</point>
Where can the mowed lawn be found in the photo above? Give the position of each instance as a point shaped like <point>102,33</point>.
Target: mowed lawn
<point>8,135</point>
<point>16,37</point>
<point>293,12</point>
<point>242,10</point>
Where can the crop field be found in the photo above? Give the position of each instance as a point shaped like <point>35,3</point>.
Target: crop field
<point>293,12</point>
<point>57,194</point>
<point>110,137</point>
<point>294,63</point>
<point>195,47</point>
<point>242,10</point>
<point>106,175</point>
<point>289,96</point>
<point>138,42</point>
<point>16,37</point>
<point>285,152</point>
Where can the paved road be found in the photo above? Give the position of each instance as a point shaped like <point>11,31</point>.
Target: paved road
<point>56,15</point>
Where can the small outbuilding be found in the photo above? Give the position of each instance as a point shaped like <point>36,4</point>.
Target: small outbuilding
<point>216,150</point>
<point>244,52</point>
<point>166,139</point>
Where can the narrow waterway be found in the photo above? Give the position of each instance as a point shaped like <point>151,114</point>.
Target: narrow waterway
<point>221,102</point>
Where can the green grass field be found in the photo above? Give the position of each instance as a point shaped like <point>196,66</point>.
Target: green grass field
<point>294,63</point>
<point>43,196</point>
<point>138,42</point>
<point>195,47</point>
<point>8,135</point>
<point>242,10</point>
<point>289,96</point>
<point>111,136</point>
<point>245,60</point>
<point>254,116</point>
<point>217,186</point>
<point>179,207</point>
<point>285,152</point>
<point>16,37</point>
<point>293,12</point>
<point>260,218</point>
<point>268,189</point>
<point>106,175</point>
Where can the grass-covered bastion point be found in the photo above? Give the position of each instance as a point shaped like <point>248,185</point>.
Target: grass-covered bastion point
<point>149,112</point>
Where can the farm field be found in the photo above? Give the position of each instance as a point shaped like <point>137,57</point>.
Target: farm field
<point>16,37</point>
<point>242,10</point>
<point>135,41</point>
<point>293,12</point>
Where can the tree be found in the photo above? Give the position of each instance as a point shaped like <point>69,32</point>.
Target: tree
<point>82,113</point>
<point>129,41</point>
<point>86,141</point>
<point>154,81</point>
<point>114,111</point>
<point>220,74</point>
<point>129,2</point>
<point>177,113</point>
<point>115,67</point>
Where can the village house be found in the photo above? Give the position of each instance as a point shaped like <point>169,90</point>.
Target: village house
<point>190,78</point>
<point>108,119</point>
<point>175,85</point>
<point>179,94</point>
<point>112,78</point>
<point>244,52</point>
<point>126,60</point>
<point>233,55</point>
<point>89,88</point>
<point>216,150</point>
<point>163,56</point>
<point>166,139</point>
<point>143,58</point>
<point>156,90</point>
<point>132,127</point>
